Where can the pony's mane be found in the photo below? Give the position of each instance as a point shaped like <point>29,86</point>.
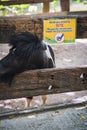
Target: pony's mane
<point>26,41</point>
<point>23,37</point>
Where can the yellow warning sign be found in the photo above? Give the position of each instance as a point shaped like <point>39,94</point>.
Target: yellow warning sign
<point>59,31</point>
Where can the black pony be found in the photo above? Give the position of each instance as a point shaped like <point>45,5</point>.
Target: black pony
<point>27,52</point>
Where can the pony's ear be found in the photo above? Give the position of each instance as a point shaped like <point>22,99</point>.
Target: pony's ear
<point>37,39</point>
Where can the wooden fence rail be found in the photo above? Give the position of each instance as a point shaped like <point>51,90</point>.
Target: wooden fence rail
<point>14,2</point>
<point>45,81</point>
<point>34,24</point>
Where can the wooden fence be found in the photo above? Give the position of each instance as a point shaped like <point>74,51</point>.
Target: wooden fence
<point>45,81</point>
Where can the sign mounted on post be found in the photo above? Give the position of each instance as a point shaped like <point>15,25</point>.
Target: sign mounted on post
<point>59,31</point>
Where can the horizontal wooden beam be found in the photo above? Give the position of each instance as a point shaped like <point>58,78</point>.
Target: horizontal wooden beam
<point>15,2</point>
<point>34,24</point>
<point>45,81</point>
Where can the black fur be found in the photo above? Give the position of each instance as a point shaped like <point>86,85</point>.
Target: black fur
<point>27,52</point>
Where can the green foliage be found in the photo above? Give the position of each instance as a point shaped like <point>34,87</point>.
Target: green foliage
<point>4,12</point>
<point>77,1</point>
<point>1,7</point>
<point>21,9</point>
<point>55,4</point>
<point>14,9</point>
<point>24,6</point>
<point>4,0</point>
<point>85,2</point>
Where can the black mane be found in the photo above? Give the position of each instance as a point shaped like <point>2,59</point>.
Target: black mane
<point>24,37</point>
<point>27,52</point>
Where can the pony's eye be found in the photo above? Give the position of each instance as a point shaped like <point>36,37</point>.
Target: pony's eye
<point>13,51</point>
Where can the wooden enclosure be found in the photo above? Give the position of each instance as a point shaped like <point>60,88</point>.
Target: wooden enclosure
<point>69,75</point>
<point>45,81</point>
<point>38,82</point>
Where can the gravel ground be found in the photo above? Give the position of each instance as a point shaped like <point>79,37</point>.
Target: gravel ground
<point>64,119</point>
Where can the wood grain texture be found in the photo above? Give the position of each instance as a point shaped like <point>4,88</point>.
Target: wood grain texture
<point>14,2</point>
<point>45,81</point>
<point>34,24</point>
<point>46,7</point>
<point>65,5</point>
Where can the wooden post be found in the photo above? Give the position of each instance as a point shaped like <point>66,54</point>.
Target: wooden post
<point>65,5</point>
<point>46,7</point>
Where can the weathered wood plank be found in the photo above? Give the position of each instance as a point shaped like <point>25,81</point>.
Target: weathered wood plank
<point>45,81</point>
<point>46,7</point>
<point>14,2</point>
<point>65,5</point>
<point>34,24</point>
